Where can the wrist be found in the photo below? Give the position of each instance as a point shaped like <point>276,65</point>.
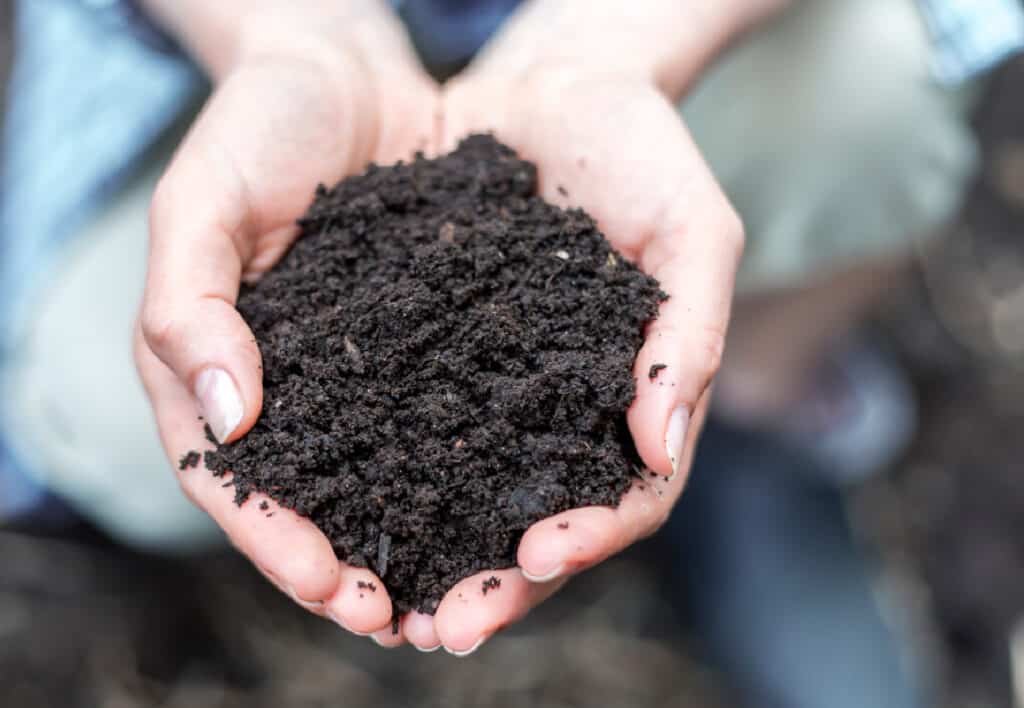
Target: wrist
<point>668,43</point>
<point>222,35</point>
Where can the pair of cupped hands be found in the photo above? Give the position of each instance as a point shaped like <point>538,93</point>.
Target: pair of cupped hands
<point>309,98</point>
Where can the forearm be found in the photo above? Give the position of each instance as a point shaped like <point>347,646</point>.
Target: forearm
<point>219,34</point>
<point>666,41</point>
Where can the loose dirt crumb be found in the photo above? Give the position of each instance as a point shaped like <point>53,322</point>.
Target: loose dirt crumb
<point>492,583</point>
<point>563,525</point>
<point>364,585</point>
<point>189,459</point>
<point>655,368</point>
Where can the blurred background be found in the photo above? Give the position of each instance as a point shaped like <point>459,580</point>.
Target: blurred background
<point>802,568</point>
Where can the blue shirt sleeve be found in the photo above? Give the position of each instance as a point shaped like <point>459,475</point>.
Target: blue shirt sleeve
<point>972,36</point>
<point>84,100</point>
<point>128,15</point>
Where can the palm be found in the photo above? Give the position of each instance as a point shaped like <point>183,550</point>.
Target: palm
<point>225,212</point>
<point>315,128</point>
<point>619,150</point>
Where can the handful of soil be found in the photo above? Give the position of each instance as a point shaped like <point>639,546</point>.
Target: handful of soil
<point>447,359</point>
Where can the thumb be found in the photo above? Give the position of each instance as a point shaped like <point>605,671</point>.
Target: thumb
<point>188,317</point>
<point>694,257</point>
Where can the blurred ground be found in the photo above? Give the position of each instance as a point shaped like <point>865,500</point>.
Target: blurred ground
<point>951,520</point>
<point>86,625</point>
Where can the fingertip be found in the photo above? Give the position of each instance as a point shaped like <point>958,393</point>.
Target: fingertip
<point>273,537</point>
<point>212,352</point>
<point>480,605</point>
<point>465,615</point>
<point>388,638</point>
<point>568,542</point>
<point>665,396</point>
<point>419,631</point>
<point>360,603</point>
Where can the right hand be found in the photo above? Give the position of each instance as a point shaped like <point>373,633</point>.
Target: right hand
<point>310,96</point>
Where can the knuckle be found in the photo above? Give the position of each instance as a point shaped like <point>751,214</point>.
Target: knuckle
<point>160,202</point>
<point>735,231</point>
<point>159,330</point>
<point>710,350</point>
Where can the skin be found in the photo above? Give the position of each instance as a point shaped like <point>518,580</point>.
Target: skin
<point>308,92</point>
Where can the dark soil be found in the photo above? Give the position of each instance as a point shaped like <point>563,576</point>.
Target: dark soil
<point>447,359</point>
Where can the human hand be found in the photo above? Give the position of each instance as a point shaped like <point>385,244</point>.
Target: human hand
<point>305,93</point>
<point>606,137</point>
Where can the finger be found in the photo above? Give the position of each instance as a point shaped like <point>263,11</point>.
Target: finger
<point>574,540</point>
<point>360,604</point>
<point>200,224</point>
<point>226,209</point>
<point>419,630</point>
<point>693,253</point>
<point>388,638</point>
<point>278,541</point>
<point>468,615</point>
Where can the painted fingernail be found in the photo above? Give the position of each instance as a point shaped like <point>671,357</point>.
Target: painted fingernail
<point>221,402</point>
<point>544,577</point>
<point>479,643</point>
<point>675,437</point>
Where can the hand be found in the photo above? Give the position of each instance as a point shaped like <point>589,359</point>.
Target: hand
<point>608,140</point>
<point>306,95</point>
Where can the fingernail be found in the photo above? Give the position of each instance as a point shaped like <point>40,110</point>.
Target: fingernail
<point>381,644</point>
<point>338,621</point>
<point>221,402</point>
<point>467,652</point>
<point>675,437</point>
<point>427,650</point>
<point>550,575</point>
<point>308,604</point>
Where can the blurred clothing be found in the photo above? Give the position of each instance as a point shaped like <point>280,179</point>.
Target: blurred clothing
<point>85,100</point>
<point>832,140</point>
<point>972,36</point>
<point>777,585</point>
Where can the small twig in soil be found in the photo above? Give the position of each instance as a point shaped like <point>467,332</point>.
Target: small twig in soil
<point>383,554</point>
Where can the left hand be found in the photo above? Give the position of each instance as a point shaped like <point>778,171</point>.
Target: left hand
<point>617,147</point>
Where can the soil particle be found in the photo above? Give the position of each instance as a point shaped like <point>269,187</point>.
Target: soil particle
<point>563,525</point>
<point>492,583</point>
<point>655,368</point>
<point>364,585</point>
<point>435,382</point>
<point>189,459</point>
